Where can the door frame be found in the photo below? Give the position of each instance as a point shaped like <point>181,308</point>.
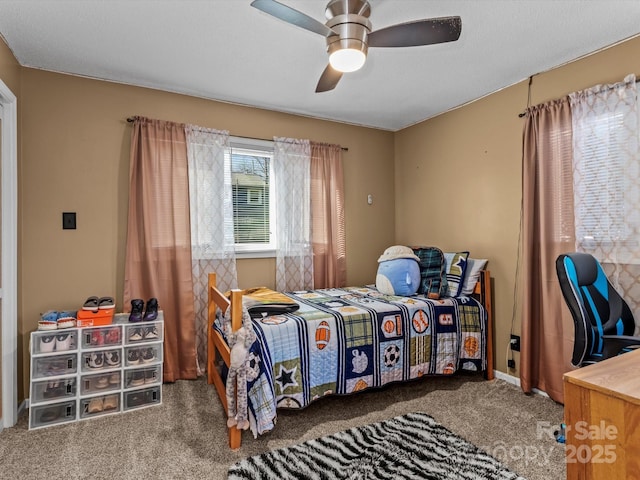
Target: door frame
<point>9,254</point>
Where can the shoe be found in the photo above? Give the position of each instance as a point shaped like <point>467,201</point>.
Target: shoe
<point>137,379</point>
<point>151,312</point>
<point>95,405</point>
<point>114,379</point>
<point>50,414</point>
<point>112,336</point>
<point>97,338</point>
<point>147,355</point>
<point>66,319</point>
<point>137,305</point>
<point>106,302</point>
<point>48,320</point>
<point>133,357</point>
<point>91,304</point>
<point>112,358</point>
<point>95,360</point>
<point>150,376</point>
<point>53,389</point>
<point>150,333</point>
<point>63,341</point>
<point>47,343</point>
<point>135,335</point>
<point>135,399</point>
<point>110,402</point>
<point>102,382</point>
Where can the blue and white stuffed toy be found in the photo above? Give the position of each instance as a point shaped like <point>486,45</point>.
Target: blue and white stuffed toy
<point>398,271</point>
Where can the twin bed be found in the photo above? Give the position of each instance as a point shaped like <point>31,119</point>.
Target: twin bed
<point>343,340</point>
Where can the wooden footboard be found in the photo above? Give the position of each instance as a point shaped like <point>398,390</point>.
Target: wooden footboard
<point>218,348</point>
<point>217,345</point>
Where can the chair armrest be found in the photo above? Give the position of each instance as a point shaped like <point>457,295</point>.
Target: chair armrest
<point>614,344</point>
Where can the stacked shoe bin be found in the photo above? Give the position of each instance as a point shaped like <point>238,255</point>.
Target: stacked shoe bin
<point>82,373</point>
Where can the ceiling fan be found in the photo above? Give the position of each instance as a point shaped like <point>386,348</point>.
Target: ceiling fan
<point>348,33</point>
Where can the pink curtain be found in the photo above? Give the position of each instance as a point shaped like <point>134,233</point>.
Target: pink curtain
<point>547,230</point>
<point>158,254</point>
<point>327,214</point>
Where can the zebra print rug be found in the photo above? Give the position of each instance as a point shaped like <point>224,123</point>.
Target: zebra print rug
<point>412,446</point>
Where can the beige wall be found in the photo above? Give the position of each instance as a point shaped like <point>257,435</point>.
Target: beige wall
<point>76,158</point>
<point>457,180</point>
<point>458,176</point>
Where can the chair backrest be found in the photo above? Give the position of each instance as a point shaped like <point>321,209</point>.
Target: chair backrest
<point>597,309</point>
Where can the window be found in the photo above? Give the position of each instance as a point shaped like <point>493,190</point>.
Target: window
<point>252,187</point>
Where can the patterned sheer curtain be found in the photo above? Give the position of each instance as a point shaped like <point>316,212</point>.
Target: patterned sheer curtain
<point>211,213</point>
<point>327,213</point>
<point>294,257</point>
<point>606,175</point>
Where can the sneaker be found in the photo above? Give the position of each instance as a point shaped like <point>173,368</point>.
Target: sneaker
<point>135,335</point>
<point>148,355</point>
<point>66,319</point>
<point>110,402</point>
<point>151,312</point>
<point>91,304</point>
<point>150,333</point>
<point>95,360</point>
<point>135,399</point>
<point>114,379</point>
<point>63,341</point>
<point>112,358</point>
<point>137,379</point>
<point>112,336</point>
<point>47,343</point>
<point>97,338</point>
<point>95,405</point>
<point>48,320</point>
<point>137,305</point>
<point>150,376</point>
<point>133,357</point>
<point>102,382</point>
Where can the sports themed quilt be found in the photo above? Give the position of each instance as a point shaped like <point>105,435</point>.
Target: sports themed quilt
<point>344,340</point>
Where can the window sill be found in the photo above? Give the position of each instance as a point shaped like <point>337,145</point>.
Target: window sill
<point>255,254</point>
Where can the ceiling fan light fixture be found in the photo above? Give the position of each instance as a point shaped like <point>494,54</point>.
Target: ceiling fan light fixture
<point>347,55</point>
<point>347,60</point>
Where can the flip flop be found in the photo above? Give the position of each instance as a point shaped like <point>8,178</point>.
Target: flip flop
<point>106,302</point>
<point>91,303</point>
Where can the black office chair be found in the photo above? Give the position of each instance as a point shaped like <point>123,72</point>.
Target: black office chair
<point>604,324</point>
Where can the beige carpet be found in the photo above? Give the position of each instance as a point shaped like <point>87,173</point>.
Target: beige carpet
<point>185,437</point>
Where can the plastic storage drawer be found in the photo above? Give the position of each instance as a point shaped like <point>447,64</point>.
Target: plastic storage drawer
<point>101,382</point>
<point>142,398</point>
<point>97,360</point>
<point>54,365</point>
<point>51,414</point>
<point>143,354</point>
<point>138,377</point>
<point>54,389</point>
<point>100,405</point>
<point>96,337</point>
<point>140,332</point>
<point>54,341</point>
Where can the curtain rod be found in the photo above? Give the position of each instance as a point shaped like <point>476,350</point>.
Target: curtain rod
<point>344,149</point>
<point>522,114</point>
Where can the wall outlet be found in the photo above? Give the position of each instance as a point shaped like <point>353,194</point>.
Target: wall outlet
<point>514,343</point>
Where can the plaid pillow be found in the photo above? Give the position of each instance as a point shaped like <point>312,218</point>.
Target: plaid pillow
<point>433,278</point>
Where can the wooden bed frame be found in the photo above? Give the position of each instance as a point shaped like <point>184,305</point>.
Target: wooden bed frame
<point>216,343</point>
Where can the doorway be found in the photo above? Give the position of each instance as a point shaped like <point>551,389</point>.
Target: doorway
<point>8,255</point>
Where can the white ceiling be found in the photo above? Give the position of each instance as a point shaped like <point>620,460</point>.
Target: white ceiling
<point>229,51</point>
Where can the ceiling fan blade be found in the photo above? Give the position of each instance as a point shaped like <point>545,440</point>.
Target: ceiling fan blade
<point>420,32</point>
<point>293,16</point>
<point>328,80</point>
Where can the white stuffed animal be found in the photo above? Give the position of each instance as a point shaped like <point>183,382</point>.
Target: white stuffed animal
<point>240,343</point>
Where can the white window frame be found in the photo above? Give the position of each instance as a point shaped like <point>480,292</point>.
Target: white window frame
<point>262,147</point>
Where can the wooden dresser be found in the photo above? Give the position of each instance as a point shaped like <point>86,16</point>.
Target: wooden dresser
<point>602,414</point>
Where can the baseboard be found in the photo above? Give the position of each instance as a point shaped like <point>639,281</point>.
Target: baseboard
<point>516,381</point>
